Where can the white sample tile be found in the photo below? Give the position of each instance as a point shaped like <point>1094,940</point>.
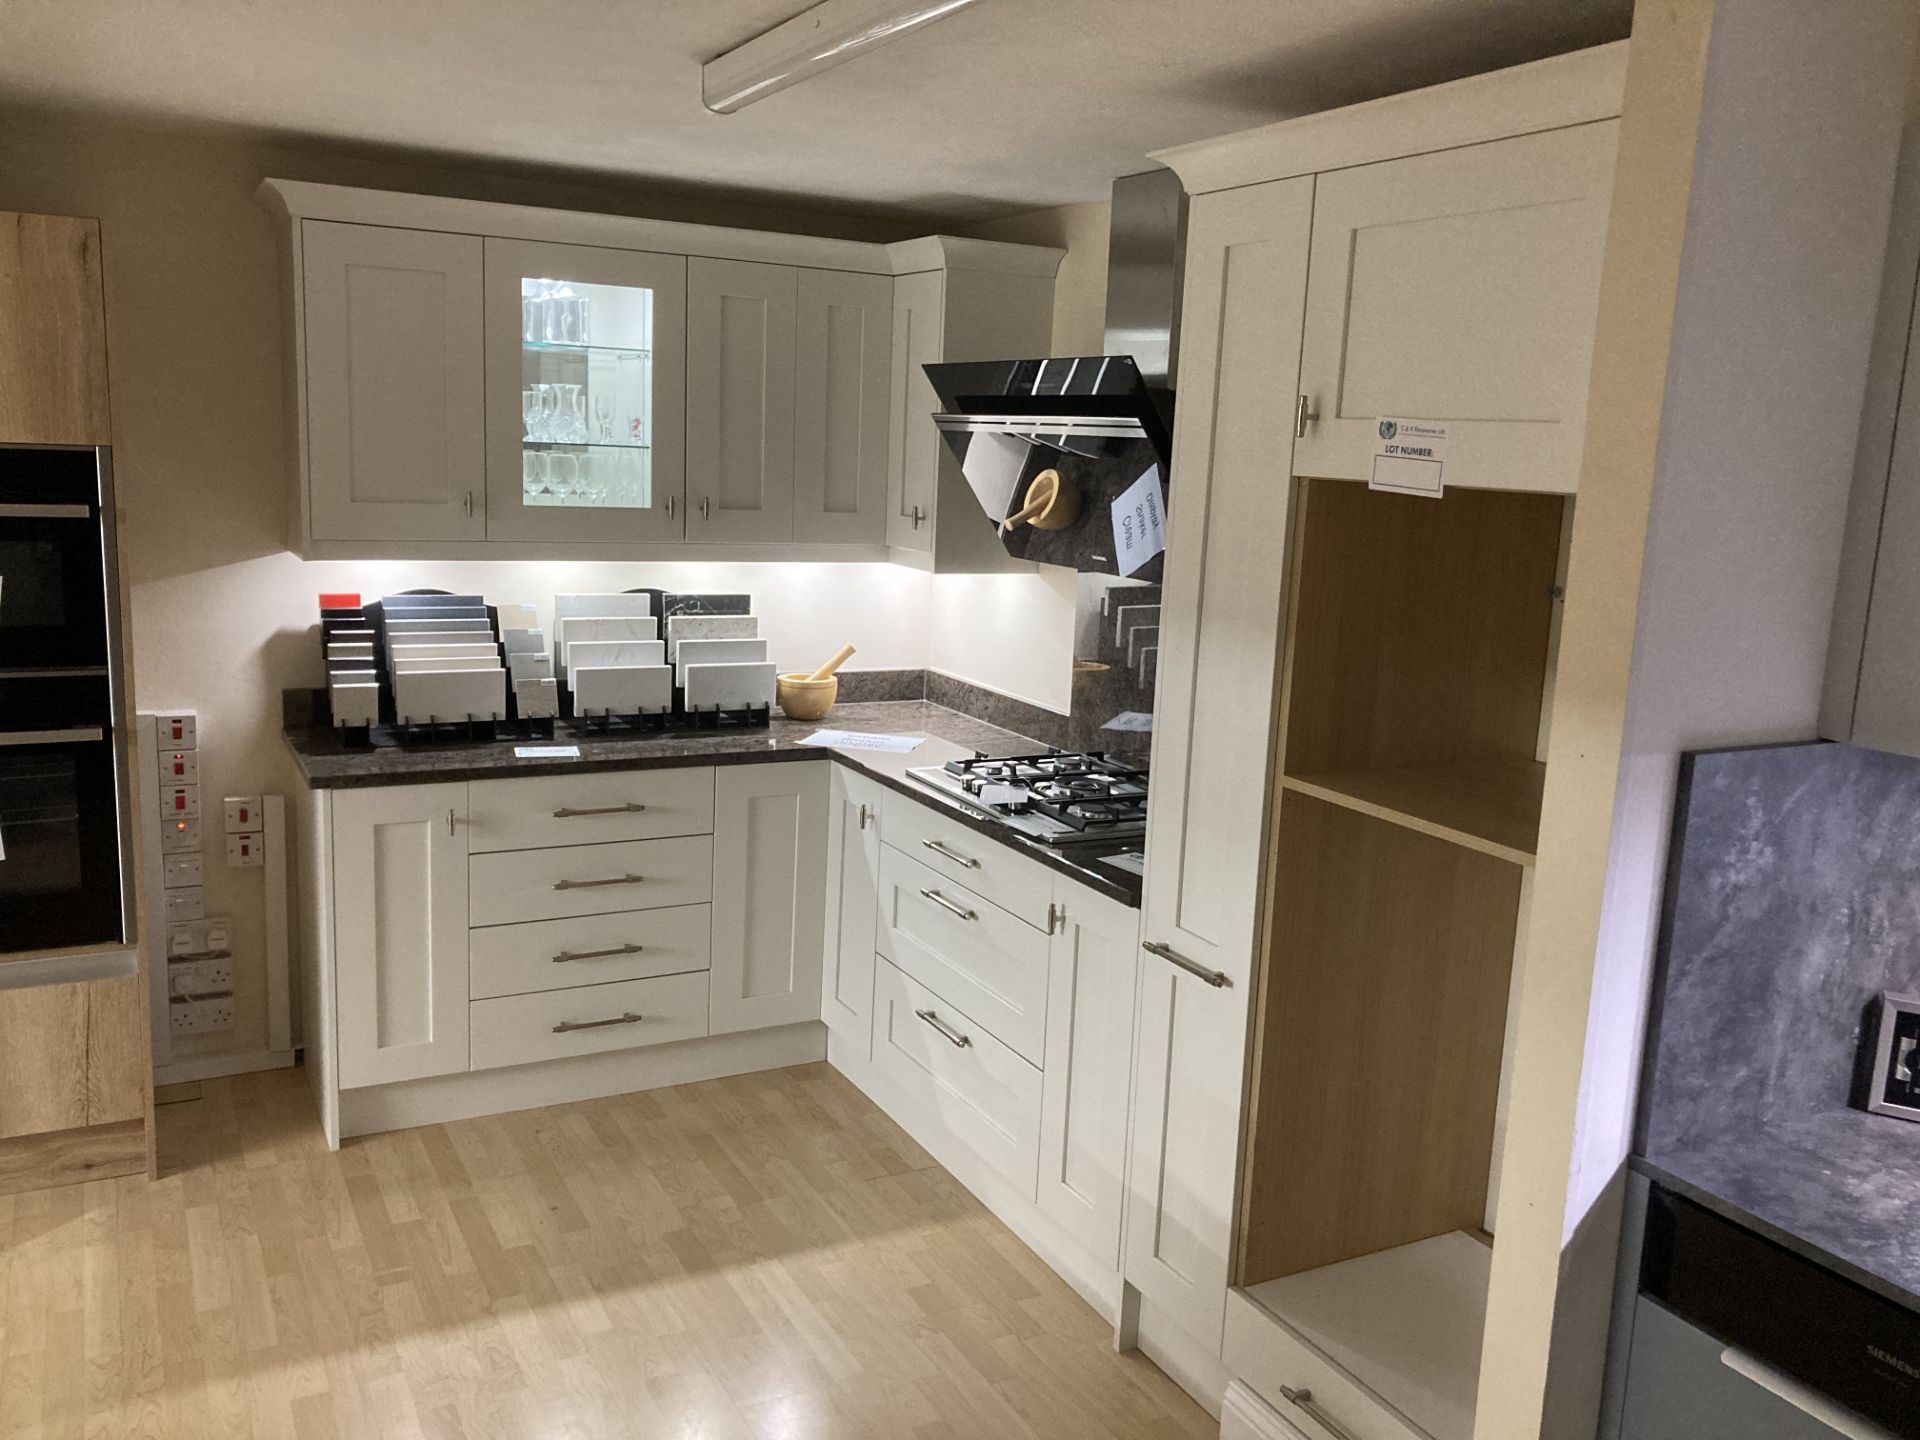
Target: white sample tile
<point>537,698</point>
<point>585,653</point>
<point>728,686</point>
<point>354,703</point>
<point>529,667</point>
<point>405,666</point>
<point>602,604</point>
<point>408,624</point>
<point>710,627</point>
<point>450,695</point>
<point>623,690</point>
<point>719,652</point>
<point>397,653</point>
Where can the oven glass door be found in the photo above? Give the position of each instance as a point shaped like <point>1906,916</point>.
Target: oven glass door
<point>60,875</point>
<point>53,590</point>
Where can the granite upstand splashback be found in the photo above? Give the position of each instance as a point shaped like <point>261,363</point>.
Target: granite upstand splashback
<point>1793,901</point>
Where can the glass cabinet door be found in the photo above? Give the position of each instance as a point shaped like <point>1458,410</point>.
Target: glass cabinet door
<point>586,403</point>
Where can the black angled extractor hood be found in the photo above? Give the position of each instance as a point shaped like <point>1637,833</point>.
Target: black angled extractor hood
<point>1094,432</point>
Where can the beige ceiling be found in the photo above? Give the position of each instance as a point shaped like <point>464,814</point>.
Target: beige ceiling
<point>1011,104</point>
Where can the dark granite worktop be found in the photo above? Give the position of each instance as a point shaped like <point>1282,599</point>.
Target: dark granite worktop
<point>327,764</point>
<point>1794,901</point>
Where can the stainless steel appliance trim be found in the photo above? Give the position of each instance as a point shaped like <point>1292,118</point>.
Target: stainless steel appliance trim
<point>567,812</point>
<point>74,735</point>
<point>945,904</point>
<point>57,672</point>
<point>45,512</point>
<point>596,884</point>
<point>568,1026</point>
<point>953,855</point>
<point>117,687</point>
<point>1039,427</point>
<point>1303,1399</point>
<point>1216,978</point>
<point>953,1036</point>
<point>566,955</point>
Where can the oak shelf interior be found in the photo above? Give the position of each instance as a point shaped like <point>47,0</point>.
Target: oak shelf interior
<point>1492,806</point>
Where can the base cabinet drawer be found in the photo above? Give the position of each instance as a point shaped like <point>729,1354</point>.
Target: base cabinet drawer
<point>945,1071</point>
<point>1010,880</point>
<point>1270,1359</point>
<point>966,950</point>
<point>589,950</point>
<point>592,809</point>
<point>589,879</point>
<point>520,1029</point>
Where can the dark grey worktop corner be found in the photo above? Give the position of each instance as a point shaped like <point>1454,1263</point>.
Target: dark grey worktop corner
<point>326,763</point>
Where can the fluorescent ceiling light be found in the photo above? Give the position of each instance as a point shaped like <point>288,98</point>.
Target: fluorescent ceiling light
<point>816,39</point>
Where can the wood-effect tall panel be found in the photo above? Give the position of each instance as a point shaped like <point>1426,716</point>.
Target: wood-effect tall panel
<point>53,332</point>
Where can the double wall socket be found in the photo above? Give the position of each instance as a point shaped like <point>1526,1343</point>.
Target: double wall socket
<point>198,1016</point>
<point>194,938</point>
<point>203,977</point>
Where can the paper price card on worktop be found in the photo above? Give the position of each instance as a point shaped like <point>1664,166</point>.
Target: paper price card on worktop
<point>857,740</point>
<point>1409,457</point>
<point>1139,523</point>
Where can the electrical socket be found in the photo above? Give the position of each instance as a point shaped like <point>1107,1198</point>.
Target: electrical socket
<point>246,850</point>
<point>181,869</point>
<point>199,1015</point>
<point>188,903</point>
<point>200,977</point>
<point>196,938</point>
<point>179,834</point>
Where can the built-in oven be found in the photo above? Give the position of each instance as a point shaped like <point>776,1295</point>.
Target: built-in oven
<point>56,559</point>
<point>65,817</point>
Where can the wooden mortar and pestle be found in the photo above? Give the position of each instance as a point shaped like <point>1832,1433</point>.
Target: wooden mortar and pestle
<point>1051,504</point>
<point>810,697</point>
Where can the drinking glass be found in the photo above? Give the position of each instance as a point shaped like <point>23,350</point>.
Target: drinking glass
<point>533,474</point>
<point>563,476</point>
<point>549,411</point>
<point>530,413</point>
<point>603,417</point>
<point>533,319</point>
<point>572,424</point>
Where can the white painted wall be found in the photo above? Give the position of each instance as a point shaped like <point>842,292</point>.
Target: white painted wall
<point>1779,281</point>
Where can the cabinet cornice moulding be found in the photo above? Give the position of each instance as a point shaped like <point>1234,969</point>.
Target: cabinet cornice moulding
<point>958,252</point>
<point>293,200</point>
<point>1573,89</point>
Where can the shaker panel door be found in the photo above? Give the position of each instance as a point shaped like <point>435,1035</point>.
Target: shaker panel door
<point>740,400</point>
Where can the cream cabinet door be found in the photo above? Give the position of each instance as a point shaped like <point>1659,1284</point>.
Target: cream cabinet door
<point>853,878</point>
<point>1091,967</point>
<point>598,337</point>
<point>843,377</point>
<point>769,893</point>
<point>400,932</point>
<point>740,398</point>
<point>1212,742</point>
<point>1460,287</point>
<point>914,447</point>
<point>394,392</point>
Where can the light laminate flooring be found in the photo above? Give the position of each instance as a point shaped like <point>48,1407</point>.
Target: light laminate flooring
<point>760,1257</point>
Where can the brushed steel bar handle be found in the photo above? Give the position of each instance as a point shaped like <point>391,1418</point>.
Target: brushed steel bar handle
<point>953,1037</point>
<point>1303,417</point>
<point>919,516</point>
<point>566,955</point>
<point>567,812</point>
<point>1215,978</point>
<point>596,884</point>
<point>45,512</point>
<point>866,815</point>
<point>567,1026</point>
<point>1303,1400</point>
<point>953,855</point>
<point>945,904</point>
<point>75,736</point>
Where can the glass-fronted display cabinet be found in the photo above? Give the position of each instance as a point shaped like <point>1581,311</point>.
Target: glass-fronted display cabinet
<point>586,406</point>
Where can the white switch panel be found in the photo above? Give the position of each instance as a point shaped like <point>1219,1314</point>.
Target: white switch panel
<point>179,767</point>
<point>246,850</point>
<point>179,834</point>
<point>179,802</point>
<point>189,903</point>
<point>242,814</point>
<point>179,730</point>
<point>183,869</point>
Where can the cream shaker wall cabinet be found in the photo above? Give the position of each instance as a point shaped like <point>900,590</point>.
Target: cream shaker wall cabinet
<point>480,381</point>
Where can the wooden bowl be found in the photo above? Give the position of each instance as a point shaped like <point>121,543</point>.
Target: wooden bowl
<point>802,698</point>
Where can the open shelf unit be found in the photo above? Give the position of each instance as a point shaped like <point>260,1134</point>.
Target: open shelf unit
<point>1419,653</point>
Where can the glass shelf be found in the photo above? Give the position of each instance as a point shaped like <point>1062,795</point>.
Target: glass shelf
<point>581,445</point>
<point>561,347</point>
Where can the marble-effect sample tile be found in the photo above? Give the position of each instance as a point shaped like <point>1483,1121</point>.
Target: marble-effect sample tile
<point>719,651</point>
<point>706,604</point>
<point>709,627</point>
<point>727,686</point>
<point>637,602</point>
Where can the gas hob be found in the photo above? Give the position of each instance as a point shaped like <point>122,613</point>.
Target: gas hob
<point>1060,798</point>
